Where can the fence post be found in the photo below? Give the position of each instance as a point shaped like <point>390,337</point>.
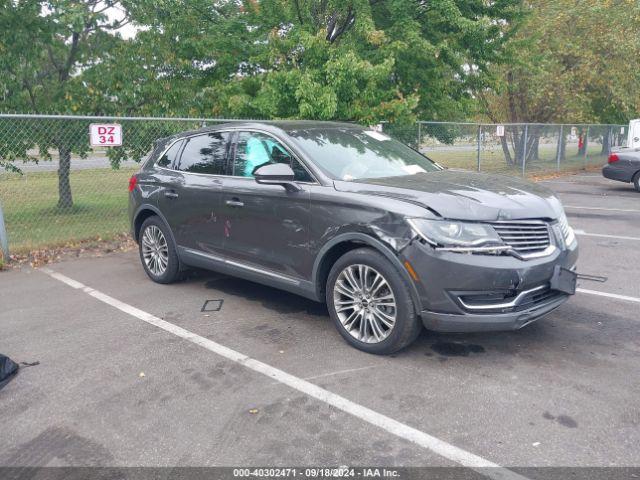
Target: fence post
<point>524,150</point>
<point>419,135</point>
<point>559,152</point>
<point>479,144</point>
<point>586,148</point>
<point>4,240</point>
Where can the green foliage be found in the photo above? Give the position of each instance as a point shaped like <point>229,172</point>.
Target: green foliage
<point>356,60</point>
<point>46,47</point>
<point>570,62</point>
<point>360,60</point>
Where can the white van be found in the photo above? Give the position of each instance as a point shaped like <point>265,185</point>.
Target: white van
<point>633,140</point>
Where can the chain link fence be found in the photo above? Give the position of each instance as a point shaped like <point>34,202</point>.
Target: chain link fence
<point>55,189</point>
<point>513,149</point>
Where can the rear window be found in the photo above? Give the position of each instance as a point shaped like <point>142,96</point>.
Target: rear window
<point>170,156</point>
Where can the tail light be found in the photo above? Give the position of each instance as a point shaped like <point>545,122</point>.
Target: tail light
<point>133,181</point>
<point>613,158</point>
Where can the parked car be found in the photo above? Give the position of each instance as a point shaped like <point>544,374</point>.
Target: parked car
<point>624,166</point>
<point>624,162</point>
<point>345,215</point>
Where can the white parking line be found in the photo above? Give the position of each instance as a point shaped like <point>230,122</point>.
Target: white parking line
<point>602,235</point>
<point>626,298</point>
<point>578,207</point>
<point>420,438</point>
<point>58,276</point>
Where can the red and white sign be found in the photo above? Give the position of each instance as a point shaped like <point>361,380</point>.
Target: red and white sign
<point>105,134</point>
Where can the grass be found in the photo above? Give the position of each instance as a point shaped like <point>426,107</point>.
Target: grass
<point>33,220</point>
<point>492,160</point>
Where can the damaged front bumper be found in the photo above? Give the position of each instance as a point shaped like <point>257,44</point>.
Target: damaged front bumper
<point>478,292</point>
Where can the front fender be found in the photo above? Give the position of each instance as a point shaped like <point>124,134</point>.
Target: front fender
<point>372,242</point>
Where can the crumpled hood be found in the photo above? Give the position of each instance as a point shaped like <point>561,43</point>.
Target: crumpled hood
<point>464,195</point>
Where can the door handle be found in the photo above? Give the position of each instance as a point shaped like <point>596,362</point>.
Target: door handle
<point>170,194</point>
<point>234,203</point>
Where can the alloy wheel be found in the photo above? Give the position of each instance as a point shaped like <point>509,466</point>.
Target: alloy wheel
<point>155,251</point>
<point>364,303</point>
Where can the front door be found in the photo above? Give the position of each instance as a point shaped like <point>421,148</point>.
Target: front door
<point>265,225</point>
<point>192,195</point>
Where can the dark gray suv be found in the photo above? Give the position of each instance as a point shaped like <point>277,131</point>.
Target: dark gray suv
<point>339,213</point>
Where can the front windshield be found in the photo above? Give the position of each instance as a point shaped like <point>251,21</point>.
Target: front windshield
<point>352,154</point>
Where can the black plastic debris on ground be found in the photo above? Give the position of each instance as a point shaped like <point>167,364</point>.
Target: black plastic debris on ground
<point>8,368</point>
<point>212,306</point>
<point>29,364</point>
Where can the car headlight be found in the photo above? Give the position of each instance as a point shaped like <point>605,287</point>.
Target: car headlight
<point>461,236</point>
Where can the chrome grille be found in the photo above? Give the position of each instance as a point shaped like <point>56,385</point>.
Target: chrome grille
<point>525,237</point>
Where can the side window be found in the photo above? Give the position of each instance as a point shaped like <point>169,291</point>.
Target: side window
<point>168,159</point>
<point>257,149</point>
<point>205,154</point>
<point>300,173</point>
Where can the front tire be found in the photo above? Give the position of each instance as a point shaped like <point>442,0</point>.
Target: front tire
<point>636,181</point>
<point>370,303</point>
<point>158,251</point>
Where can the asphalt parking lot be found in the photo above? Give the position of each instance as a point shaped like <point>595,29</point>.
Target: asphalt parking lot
<point>132,373</point>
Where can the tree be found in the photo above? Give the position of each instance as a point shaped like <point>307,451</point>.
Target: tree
<point>569,62</point>
<point>46,47</point>
<point>354,60</point>
<point>360,60</point>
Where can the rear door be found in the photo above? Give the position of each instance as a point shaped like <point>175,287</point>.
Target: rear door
<point>265,225</point>
<point>169,180</point>
<point>192,193</point>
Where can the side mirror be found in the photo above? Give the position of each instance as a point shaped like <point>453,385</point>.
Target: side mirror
<point>277,174</point>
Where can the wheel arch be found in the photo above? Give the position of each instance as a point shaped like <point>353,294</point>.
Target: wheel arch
<point>345,242</point>
<point>635,179</point>
<point>142,213</point>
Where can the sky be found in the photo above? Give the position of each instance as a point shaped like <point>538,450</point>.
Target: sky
<point>127,31</point>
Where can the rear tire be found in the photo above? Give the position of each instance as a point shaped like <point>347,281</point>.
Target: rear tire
<point>636,181</point>
<point>158,251</point>
<point>365,295</point>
